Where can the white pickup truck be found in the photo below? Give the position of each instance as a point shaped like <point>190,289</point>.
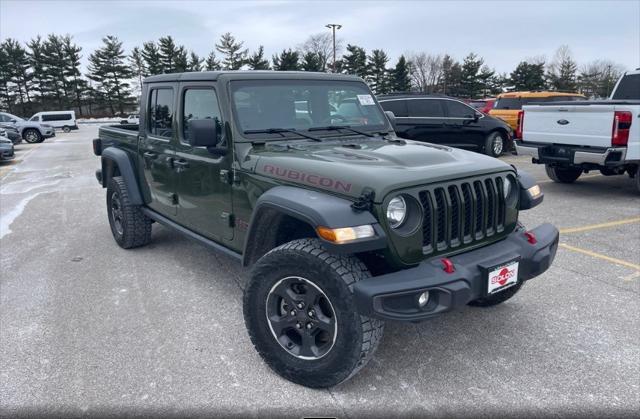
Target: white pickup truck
<point>571,138</point>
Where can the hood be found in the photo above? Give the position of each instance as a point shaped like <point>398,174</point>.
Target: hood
<point>347,167</point>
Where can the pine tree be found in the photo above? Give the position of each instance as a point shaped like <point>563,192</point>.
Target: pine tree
<point>55,67</point>
<point>170,55</point>
<point>17,65</point>
<point>181,60</point>
<point>486,79</point>
<point>528,76</point>
<point>451,77</point>
<point>72,71</point>
<point>257,61</point>
<point>152,60</point>
<point>138,68</point>
<point>288,60</point>
<point>108,69</point>
<point>234,55</point>
<point>212,64</point>
<point>469,80</point>
<point>399,78</point>
<point>377,73</point>
<point>562,71</point>
<point>311,61</point>
<point>355,61</point>
<point>6,99</point>
<point>195,62</point>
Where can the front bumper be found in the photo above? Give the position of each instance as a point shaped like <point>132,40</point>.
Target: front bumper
<point>48,133</point>
<point>572,155</point>
<point>394,296</point>
<point>6,153</point>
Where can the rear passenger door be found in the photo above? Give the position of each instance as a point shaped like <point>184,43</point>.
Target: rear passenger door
<point>203,180</point>
<point>464,130</point>
<point>426,116</point>
<point>155,148</point>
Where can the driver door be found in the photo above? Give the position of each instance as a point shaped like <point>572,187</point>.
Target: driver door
<point>202,179</point>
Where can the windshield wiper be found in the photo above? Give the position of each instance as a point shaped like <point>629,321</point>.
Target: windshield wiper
<point>281,131</point>
<point>341,127</point>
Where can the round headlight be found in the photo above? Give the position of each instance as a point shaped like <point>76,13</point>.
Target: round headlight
<point>396,211</point>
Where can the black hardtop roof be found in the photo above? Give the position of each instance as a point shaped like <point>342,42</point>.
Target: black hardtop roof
<point>248,75</point>
<point>412,95</point>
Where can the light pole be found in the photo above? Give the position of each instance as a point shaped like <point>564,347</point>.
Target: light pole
<point>333,27</point>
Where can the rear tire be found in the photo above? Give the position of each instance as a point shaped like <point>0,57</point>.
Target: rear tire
<point>130,227</point>
<point>339,341</point>
<point>637,178</point>
<point>32,136</point>
<point>562,174</point>
<point>66,129</point>
<point>494,144</point>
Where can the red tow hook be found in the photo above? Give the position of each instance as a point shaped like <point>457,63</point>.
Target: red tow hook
<point>447,265</point>
<point>531,237</point>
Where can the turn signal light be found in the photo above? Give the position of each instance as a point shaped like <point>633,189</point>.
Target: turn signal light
<point>531,238</point>
<point>447,266</point>
<point>345,234</point>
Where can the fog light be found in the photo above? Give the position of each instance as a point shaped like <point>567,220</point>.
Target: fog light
<point>423,299</point>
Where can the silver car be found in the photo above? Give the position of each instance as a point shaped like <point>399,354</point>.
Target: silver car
<point>31,132</point>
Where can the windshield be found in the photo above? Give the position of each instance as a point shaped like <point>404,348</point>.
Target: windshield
<point>304,104</point>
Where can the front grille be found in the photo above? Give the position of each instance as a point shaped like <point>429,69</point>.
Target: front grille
<point>462,213</point>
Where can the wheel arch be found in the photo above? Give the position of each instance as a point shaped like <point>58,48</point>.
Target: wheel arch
<point>286,213</point>
<point>116,162</point>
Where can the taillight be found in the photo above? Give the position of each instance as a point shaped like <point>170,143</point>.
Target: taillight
<point>520,125</point>
<point>621,128</point>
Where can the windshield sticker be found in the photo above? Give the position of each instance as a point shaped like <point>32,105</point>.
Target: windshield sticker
<point>365,100</point>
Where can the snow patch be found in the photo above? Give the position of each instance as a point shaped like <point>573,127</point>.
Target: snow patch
<point>10,217</point>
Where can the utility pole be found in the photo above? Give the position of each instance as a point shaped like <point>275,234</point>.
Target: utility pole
<point>333,27</point>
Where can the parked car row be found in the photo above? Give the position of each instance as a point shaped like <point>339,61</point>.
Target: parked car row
<point>6,146</point>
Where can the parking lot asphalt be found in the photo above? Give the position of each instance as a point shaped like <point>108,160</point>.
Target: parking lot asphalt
<point>87,327</point>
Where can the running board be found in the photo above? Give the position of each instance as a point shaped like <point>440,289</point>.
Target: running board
<point>190,234</point>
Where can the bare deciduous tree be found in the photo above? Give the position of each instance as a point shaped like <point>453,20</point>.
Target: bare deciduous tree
<point>426,70</point>
<point>321,44</point>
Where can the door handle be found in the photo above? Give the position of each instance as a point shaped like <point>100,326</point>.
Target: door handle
<point>180,164</point>
<point>150,154</point>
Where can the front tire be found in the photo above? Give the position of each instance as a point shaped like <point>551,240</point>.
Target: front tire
<point>562,174</point>
<point>130,227</point>
<point>494,144</point>
<point>298,309</point>
<point>32,136</point>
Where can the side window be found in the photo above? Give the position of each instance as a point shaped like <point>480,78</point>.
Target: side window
<point>199,104</point>
<point>459,110</point>
<point>3,118</point>
<point>35,118</point>
<point>425,108</point>
<point>161,112</point>
<point>398,107</point>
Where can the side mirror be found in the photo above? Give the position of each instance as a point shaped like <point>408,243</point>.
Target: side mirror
<point>204,132</point>
<point>13,121</point>
<point>392,119</point>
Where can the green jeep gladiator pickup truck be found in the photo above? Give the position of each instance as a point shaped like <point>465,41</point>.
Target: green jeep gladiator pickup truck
<point>344,225</point>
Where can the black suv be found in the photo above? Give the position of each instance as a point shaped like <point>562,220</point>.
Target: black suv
<point>443,120</point>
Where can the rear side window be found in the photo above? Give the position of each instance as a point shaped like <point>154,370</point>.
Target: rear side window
<point>628,88</point>
<point>508,103</point>
<point>425,108</point>
<point>161,112</point>
<point>199,104</point>
<point>459,110</point>
<point>56,117</point>
<point>398,107</point>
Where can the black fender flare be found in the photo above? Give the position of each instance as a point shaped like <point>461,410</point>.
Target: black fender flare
<point>120,158</point>
<point>316,209</point>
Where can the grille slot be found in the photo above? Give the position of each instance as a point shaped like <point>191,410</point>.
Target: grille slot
<point>462,213</point>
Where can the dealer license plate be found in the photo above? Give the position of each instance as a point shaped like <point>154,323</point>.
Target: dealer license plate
<point>502,277</point>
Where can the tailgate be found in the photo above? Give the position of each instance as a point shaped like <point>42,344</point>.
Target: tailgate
<point>584,125</point>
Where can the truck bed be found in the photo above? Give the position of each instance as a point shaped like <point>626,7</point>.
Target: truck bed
<point>125,135</point>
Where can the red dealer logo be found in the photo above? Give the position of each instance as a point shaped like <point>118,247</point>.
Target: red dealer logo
<point>505,275</point>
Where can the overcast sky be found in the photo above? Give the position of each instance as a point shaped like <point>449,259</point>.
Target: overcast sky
<point>503,32</point>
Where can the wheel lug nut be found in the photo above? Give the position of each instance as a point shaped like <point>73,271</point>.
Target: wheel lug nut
<point>293,312</point>
<point>309,325</point>
<point>311,313</point>
<point>299,325</point>
<point>300,305</point>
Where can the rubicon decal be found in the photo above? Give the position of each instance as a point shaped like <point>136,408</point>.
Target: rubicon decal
<point>310,179</point>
